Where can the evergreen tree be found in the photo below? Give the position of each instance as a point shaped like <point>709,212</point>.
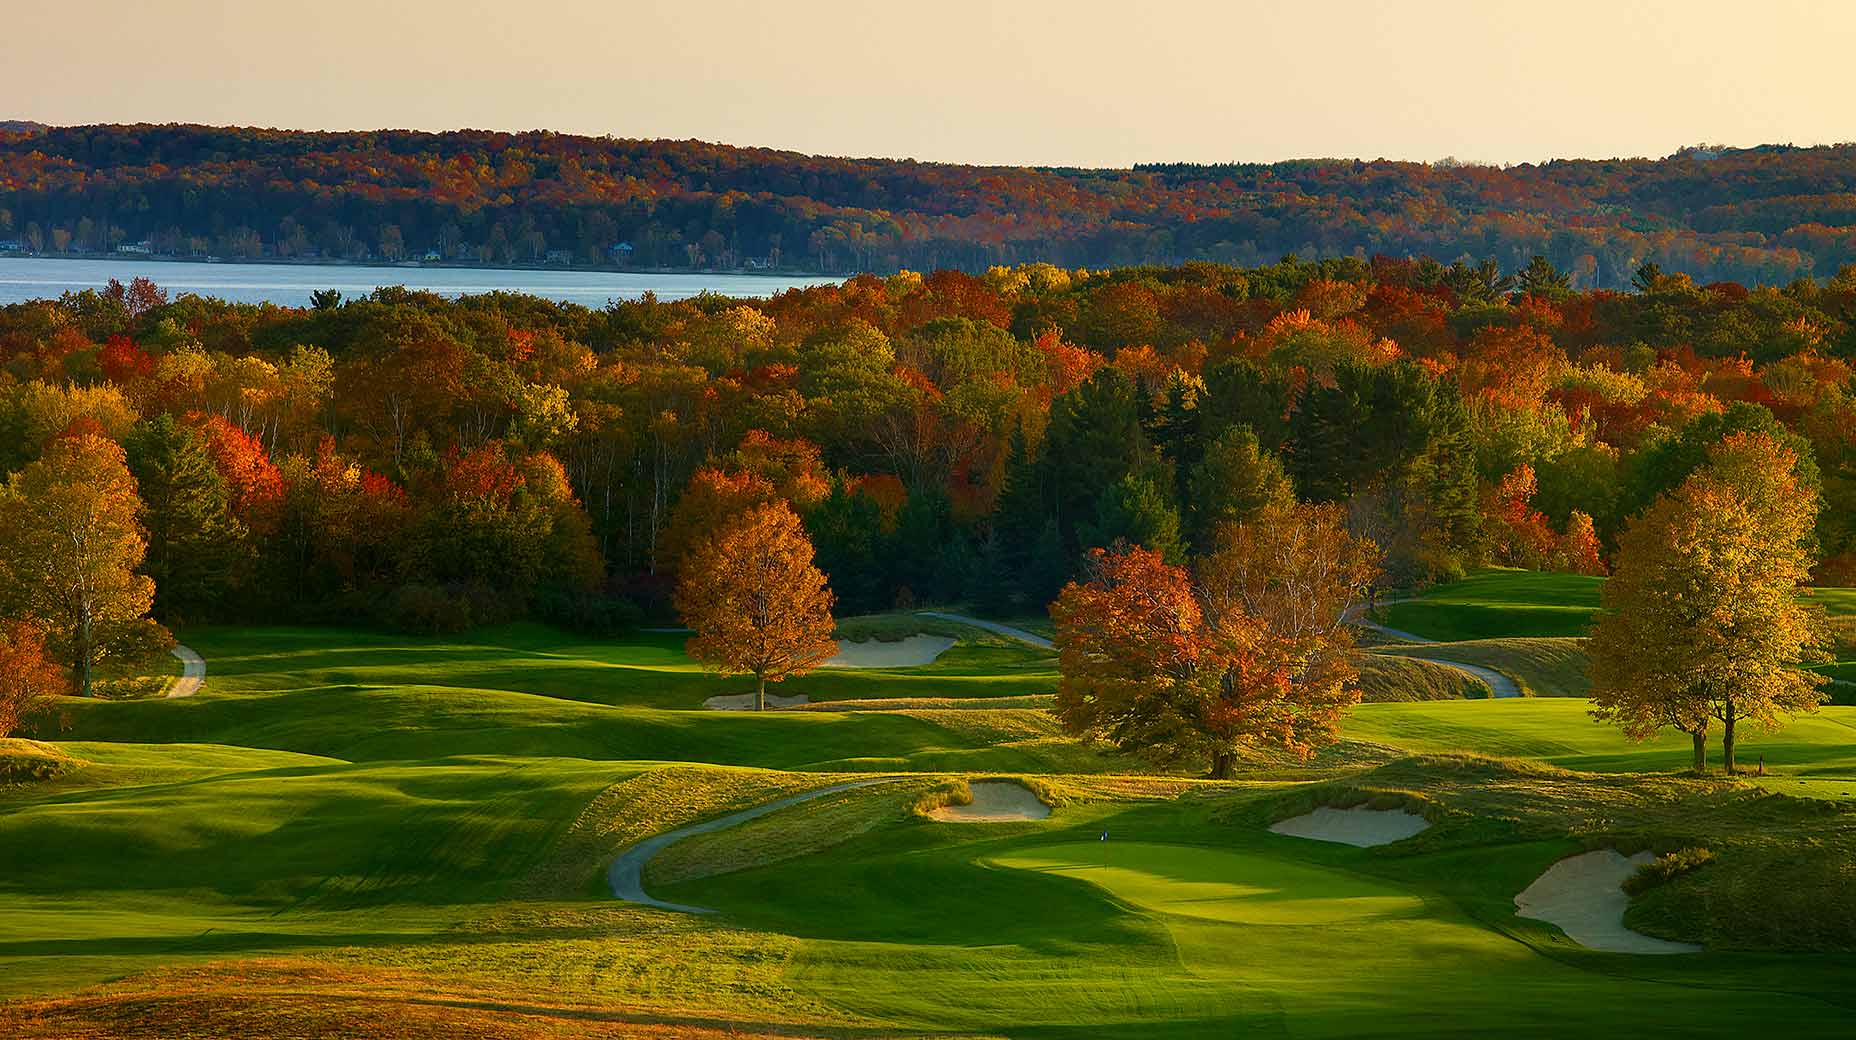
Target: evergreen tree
<point>1093,441</point>
<point>194,542</point>
<point>1233,482</point>
<point>847,534</point>
<point>924,531</point>
<point>1238,393</point>
<point>1136,511</point>
<point>1174,429</point>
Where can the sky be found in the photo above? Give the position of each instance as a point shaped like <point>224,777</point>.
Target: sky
<point>1030,82</point>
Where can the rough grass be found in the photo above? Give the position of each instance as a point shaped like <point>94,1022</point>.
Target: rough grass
<point>275,998</point>
<point>1540,666</point>
<point>1781,871</point>
<point>650,803</point>
<point>1391,678</point>
<point>30,762</point>
<point>789,834</point>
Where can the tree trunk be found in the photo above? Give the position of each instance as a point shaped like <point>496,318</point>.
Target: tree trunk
<point>80,667</point>
<point>1221,765</point>
<point>760,693</point>
<point>1727,740</point>
<point>1700,738</point>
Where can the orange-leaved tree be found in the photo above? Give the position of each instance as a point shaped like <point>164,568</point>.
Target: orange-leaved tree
<point>28,675</point>
<point>1702,620</point>
<point>754,599</point>
<point>1253,652</point>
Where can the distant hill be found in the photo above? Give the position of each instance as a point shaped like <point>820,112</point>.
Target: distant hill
<point>21,126</point>
<point>1757,215</point>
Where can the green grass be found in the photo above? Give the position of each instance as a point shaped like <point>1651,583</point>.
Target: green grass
<point>344,820</point>
<point>1500,603</point>
<point>1559,732</point>
<point>1204,924</point>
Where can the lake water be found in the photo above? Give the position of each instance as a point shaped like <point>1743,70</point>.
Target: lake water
<point>29,278</point>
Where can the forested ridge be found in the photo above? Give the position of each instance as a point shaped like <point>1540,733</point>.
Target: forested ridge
<point>433,463</point>
<point>1758,216</point>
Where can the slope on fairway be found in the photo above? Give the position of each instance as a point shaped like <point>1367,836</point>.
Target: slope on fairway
<point>925,927</point>
<point>1498,603</point>
<point>1215,884</point>
<point>1560,732</point>
<point>643,669</point>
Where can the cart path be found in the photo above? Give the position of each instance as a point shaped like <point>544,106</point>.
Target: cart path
<point>994,627</point>
<point>1499,685</point>
<point>192,672</point>
<point>626,875</point>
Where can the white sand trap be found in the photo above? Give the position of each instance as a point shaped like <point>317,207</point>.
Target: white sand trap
<point>1584,896</point>
<point>1359,826</point>
<point>745,701</point>
<point>903,653</point>
<point>994,802</point>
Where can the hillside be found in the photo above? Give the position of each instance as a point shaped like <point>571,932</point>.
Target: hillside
<point>1759,215</point>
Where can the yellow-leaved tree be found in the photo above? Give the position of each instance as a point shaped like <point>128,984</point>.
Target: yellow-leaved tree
<point>1702,620</point>
<point>70,544</point>
<point>754,599</point>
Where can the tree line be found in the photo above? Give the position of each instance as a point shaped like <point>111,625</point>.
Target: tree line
<point>1762,215</point>
<point>427,464</point>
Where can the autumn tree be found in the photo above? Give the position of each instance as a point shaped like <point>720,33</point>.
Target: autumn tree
<point>28,675</point>
<point>1251,651</point>
<point>1702,620</point>
<point>69,548</point>
<point>755,601</point>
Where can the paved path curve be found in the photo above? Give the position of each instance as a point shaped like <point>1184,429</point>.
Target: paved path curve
<point>626,875</point>
<point>192,672</point>
<point>992,626</point>
<point>1499,685</point>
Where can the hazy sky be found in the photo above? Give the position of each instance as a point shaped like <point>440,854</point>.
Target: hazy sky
<point>1074,83</point>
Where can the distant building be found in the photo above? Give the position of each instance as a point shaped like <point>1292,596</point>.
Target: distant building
<point>621,253</point>
<point>142,248</point>
<point>12,245</point>
<point>431,255</point>
<point>560,256</point>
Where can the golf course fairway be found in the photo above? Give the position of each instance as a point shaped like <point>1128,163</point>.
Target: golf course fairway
<point>344,833</point>
<point>1219,886</point>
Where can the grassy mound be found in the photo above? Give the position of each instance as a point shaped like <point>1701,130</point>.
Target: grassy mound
<point>29,761</point>
<point>1390,679</point>
<point>1540,666</point>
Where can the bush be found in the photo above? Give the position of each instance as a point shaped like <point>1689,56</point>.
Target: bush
<point>1666,867</point>
<point>425,610</point>
<point>588,613</point>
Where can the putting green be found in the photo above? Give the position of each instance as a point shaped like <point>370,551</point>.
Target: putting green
<point>1219,886</point>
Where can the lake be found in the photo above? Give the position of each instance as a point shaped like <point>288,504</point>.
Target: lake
<point>29,278</point>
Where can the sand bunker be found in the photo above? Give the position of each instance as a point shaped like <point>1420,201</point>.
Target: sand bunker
<point>1584,896</point>
<point>994,802</point>
<point>745,701</point>
<point>875,653</point>
<point>1359,826</point>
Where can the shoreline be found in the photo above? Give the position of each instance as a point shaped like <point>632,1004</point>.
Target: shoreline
<point>421,265</point>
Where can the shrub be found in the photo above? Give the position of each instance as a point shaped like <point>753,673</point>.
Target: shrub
<point>588,613</point>
<point>424,610</point>
<point>1666,867</point>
